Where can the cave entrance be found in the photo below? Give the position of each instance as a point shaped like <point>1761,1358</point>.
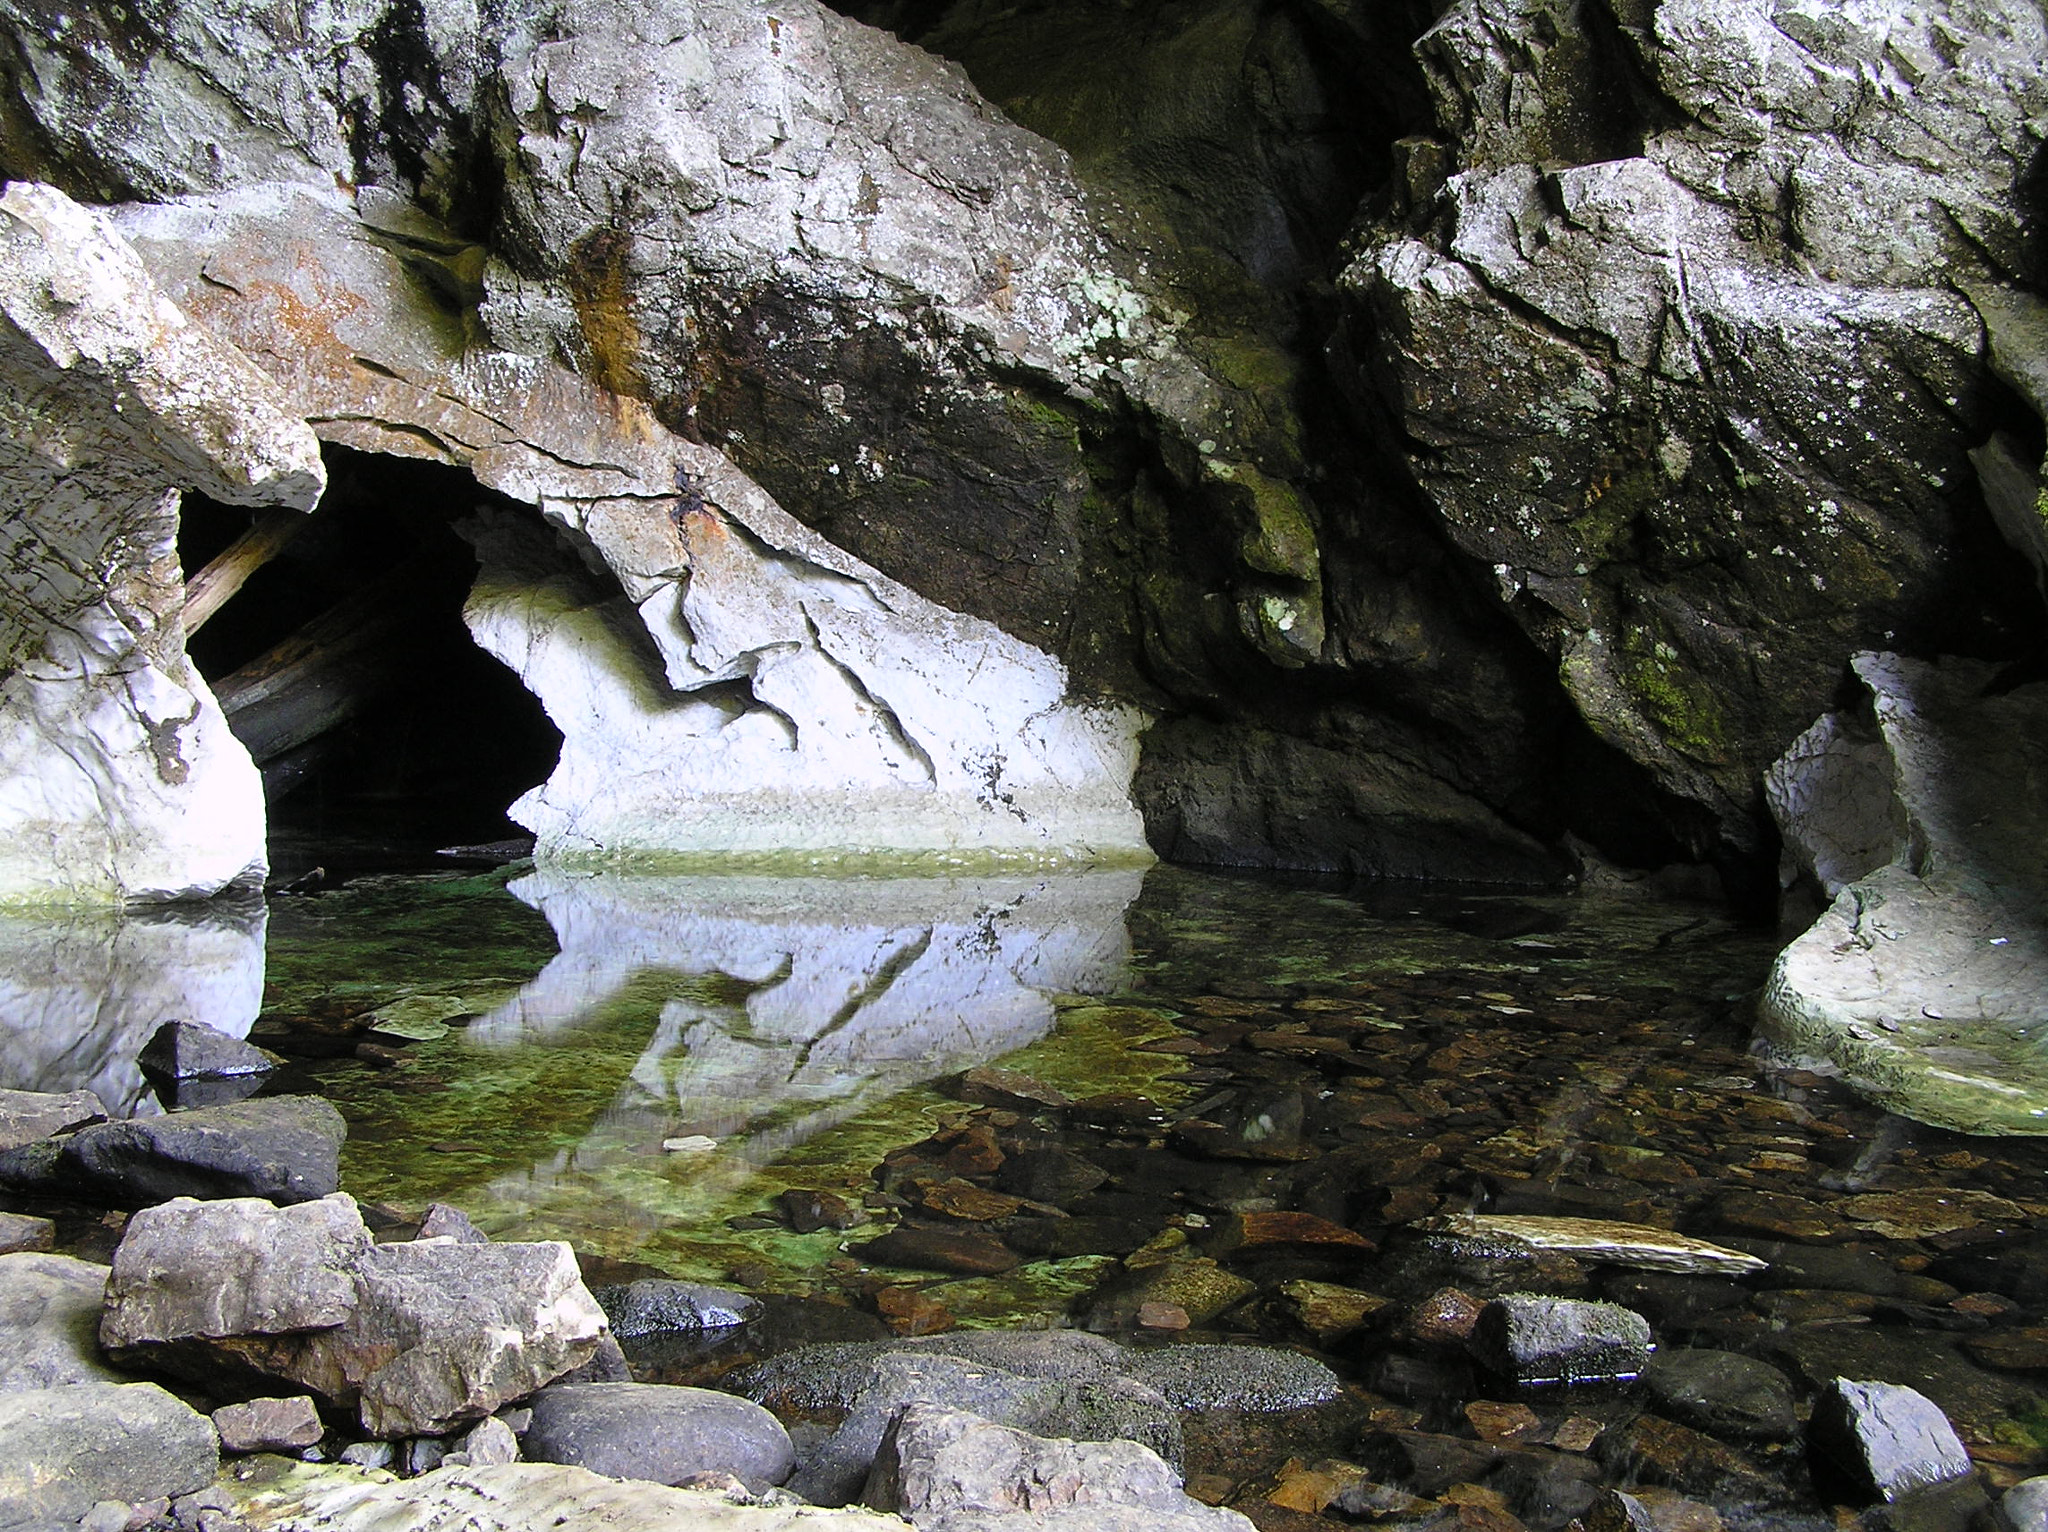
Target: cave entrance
<point>384,734</point>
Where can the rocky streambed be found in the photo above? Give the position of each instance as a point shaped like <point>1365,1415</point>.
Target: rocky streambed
<point>1461,1214</point>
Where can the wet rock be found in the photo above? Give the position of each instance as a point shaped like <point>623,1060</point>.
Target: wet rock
<point>1446,1317</point>
<point>27,1115</point>
<point>1723,1393</point>
<point>416,1337</point>
<point>658,1433</point>
<point>1493,1421</point>
<point>184,1050</point>
<point>965,1201</point>
<point>282,1148</point>
<point>908,1311</point>
<point>49,1322</point>
<point>1602,1240</point>
<point>1887,1438</point>
<point>810,1211</point>
<point>268,1425</point>
<point>1614,1511</point>
<point>1252,1234</point>
<point>1917,981</point>
<point>72,1446</point>
<point>1780,1214</point>
<point>1426,1463</point>
<point>2024,1507</point>
<point>1007,1088</point>
<point>2022,1350</point>
<point>1931,1210</point>
<point>1555,1340</point>
<point>1195,1285</point>
<point>19,1232</point>
<point>1327,1312</point>
<point>1049,1175</point>
<point>948,1468</point>
<point>1674,1303</point>
<point>1828,1266</point>
<point>1207,1377</point>
<point>1979,1402</point>
<point>1659,1451</point>
<point>1058,1238</point>
<point>924,1249</point>
<point>658,1306</point>
<point>445,1222</point>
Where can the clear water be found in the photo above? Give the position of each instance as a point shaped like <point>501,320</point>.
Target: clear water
<point>1545,1055</point>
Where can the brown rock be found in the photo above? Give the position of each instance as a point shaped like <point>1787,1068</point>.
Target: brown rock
<point>966,1201</point>
<point>909,1311</point>
<point>1660,1451</point>
<point>1496,1422</point>
<point>1289,1231</point>
<point>20,1232</point>
<point>1165,1316</point>
<point>2011,1350</point>
<point>1444,1318</point>
<point>268,1425</point>
<point>810,1210</point>
<point>1326,1311</point>
<point>973,1151</point>
<point>1576,1433</point>
<point>1211,1140</point>
<point>1007,1088</point>
<point>1918,1214</point>
<point>1780,1215</point>
<point>921,1249</point>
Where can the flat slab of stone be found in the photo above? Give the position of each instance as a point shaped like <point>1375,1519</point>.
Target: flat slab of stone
<point>1918,814</point>
<point>49,1322</point>
<point>658,1433</point>
<point>1599,1239</point>
<point>29,1115</point>
<point>282,1148</point>
<point>511,1497</point>
<point>69,1448</point>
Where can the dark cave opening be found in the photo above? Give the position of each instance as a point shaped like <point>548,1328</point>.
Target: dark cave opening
<point>384,734</point>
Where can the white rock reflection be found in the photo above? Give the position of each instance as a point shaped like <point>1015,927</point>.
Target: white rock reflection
<point>848,990</point>
<point>81,991</point>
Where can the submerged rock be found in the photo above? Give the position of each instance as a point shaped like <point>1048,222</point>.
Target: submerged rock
<point>1723,1393</point>
<point>656,1306</point>
<point>1560,1340</point>
<point>1598,1239</point>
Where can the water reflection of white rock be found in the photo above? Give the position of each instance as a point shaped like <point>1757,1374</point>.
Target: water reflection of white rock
<point>81,991</point>
<point>847,991</point>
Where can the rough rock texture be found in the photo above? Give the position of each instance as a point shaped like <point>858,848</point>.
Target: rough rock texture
<point>658,1433</point>
<point>26,1115</point>
<point>938,1463</point>
<point>49,1322</point>
<point>417,1337</point>
<point>268,1425</point>
<point>1723,1393</point>
<point>1534,1339</point>
<point>513,1497</point>
<point>184,1050</point>
<point>655,1306</point>
<point>118,777</point>
<point>1671,331</point>
<point>69,1448</point>
<point>1889,1438</point>
<point>285,1148</point>
<point>1918,811</point>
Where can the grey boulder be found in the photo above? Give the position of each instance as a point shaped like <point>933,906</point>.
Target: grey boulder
<point>69,1448</point>
<point>656,1306</point>
<point>1534,1339</point>
<point>658,1433</point>
<point>29,1115</point>
<point>49,1316</point>
<point>1889,1439</point>
<point>268,1425</point>
<point>283,1148</point>
<point>950,1469</point>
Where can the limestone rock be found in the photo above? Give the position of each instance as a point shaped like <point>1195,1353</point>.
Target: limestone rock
<point>268,1425</point>
<point>26,1116</point>
<point>49,1322</point>
<point>123,782</point>
<point>1890,1439</point>
<point>184,1050</point>
<point>512,1497</point>
<point>938,1463</point>
<point>1560,1340</point>
<point>285,1148</point>
<point>1920,981</point>
<point>417,1337</point>
<point>658,1433</point>
<point>72,1446</point>
<point>1626,344</point>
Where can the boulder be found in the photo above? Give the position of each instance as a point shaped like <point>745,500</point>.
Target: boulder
<point>416,1337</point>
<point>1534,1339</point>
<point>658,1433</point>
<point>944,1467</point>
<point>195,1066</point>
<point>70,1447</point>
<point>1889,1440</point>
<point>27,1116</point>
<point>284,1148</point>
<point>443,1221</point>
<point>1723,1393</point>
<point>2024,1507</point>
<point>49,1322</point>
<point>1920,981</point>
<point>657,1306</point>
<point>268,1425</point>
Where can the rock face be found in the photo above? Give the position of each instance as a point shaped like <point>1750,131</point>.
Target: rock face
<point>122,781</point>
<point>49,1322</point>
<point>1672,328</point>
<point>70,1447</point>
<point>416,1337</point>
<point>1914,812</point>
